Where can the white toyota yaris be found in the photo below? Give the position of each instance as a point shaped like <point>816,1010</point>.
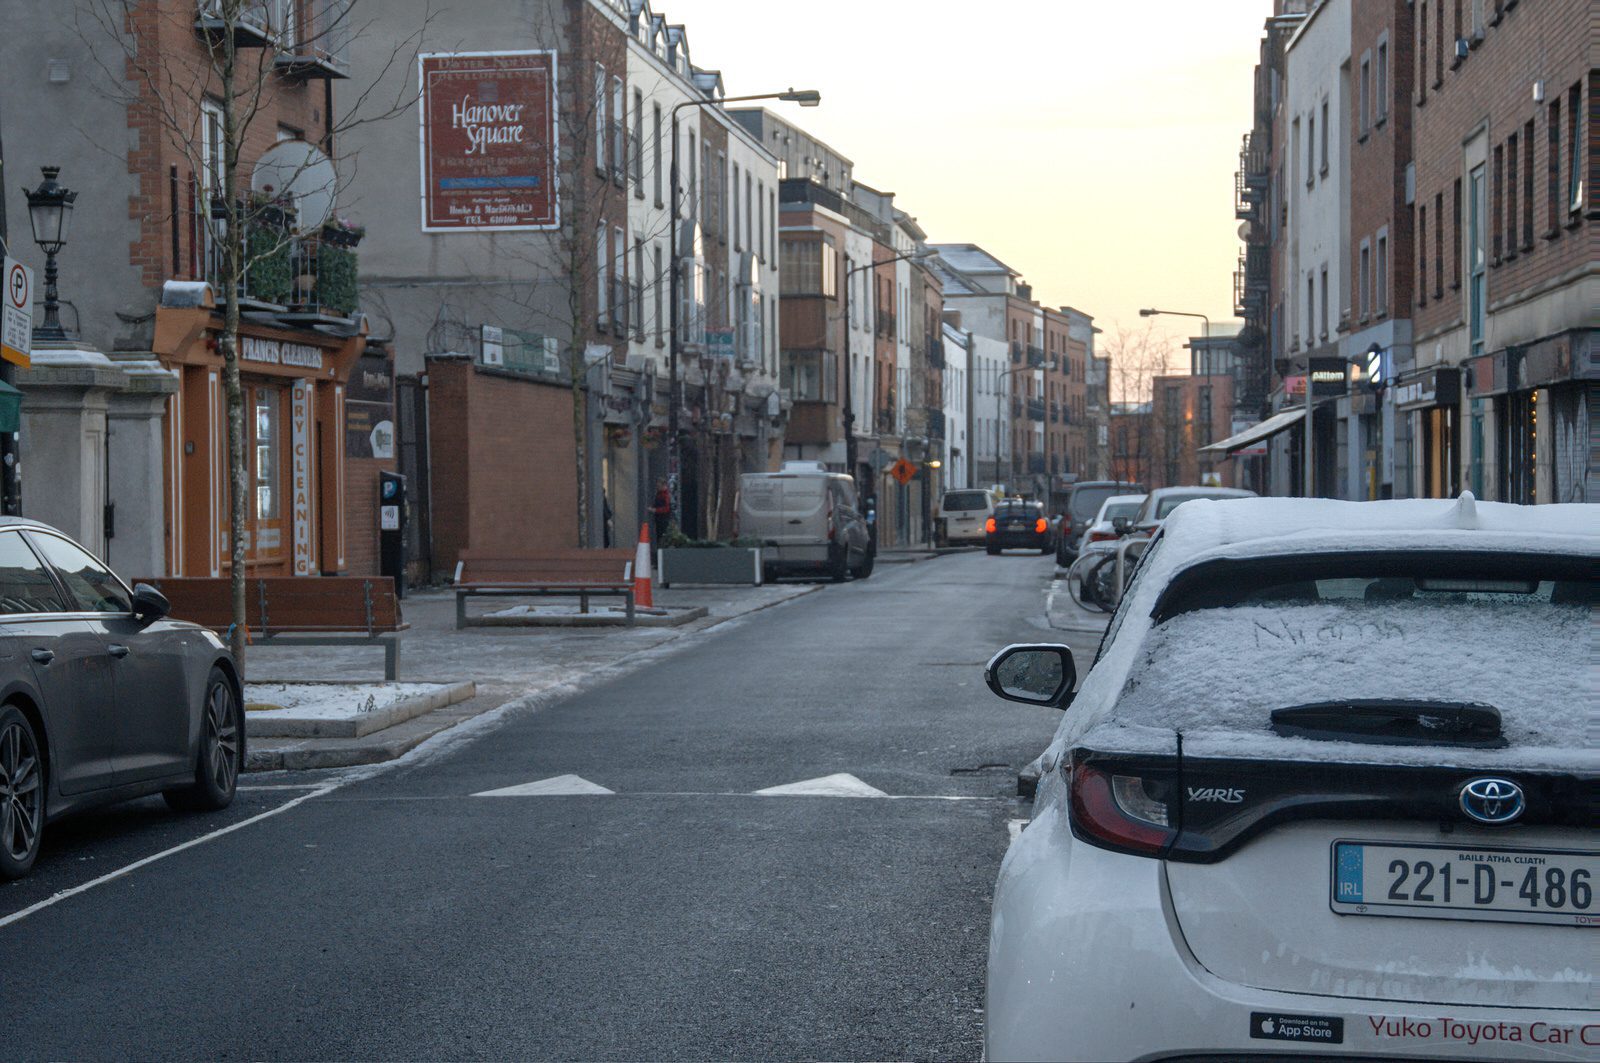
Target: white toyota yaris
<point>1328,791</point>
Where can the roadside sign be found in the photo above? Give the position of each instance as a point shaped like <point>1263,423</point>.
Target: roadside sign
<point>903,472</point>
<point>16,322</point>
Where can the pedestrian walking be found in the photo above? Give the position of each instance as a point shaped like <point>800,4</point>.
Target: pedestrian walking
<point>661,513</point>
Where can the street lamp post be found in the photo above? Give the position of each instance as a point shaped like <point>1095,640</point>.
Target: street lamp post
<point>1153,312</point>
<point>1000,418</point>
<point>805,98</point>
<point>50,211</point>
<point>849,355</point>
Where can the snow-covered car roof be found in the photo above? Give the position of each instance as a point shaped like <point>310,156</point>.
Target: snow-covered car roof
<point>1214,676</point>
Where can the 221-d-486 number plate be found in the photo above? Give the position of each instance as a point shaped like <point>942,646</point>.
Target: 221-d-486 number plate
<point>1443,882</point>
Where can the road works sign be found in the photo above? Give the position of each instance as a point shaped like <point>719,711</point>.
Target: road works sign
<point>16,322</point>
<point>903,472</point>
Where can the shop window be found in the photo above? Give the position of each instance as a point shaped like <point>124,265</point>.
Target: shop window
<point>264,469</point>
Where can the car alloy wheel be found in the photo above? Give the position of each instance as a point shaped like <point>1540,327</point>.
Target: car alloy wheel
<point>222,737</point>
<point>21,790</point>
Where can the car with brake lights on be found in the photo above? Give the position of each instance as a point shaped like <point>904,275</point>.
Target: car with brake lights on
<point>1326,792</point>
<point>1017,524</point>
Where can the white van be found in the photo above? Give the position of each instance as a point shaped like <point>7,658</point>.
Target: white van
<point>966,514</point>
<point>807,521</point>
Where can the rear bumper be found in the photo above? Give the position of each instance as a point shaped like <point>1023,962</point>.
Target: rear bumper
<point>803,558</point>
<point>1086,961</point>
<point>1017,540</point>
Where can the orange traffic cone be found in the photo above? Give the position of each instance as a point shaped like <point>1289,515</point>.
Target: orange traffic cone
<point>641,570</point>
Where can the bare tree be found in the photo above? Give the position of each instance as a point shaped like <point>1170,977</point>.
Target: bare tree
<point>1137,357</point>
<point>164,88</point>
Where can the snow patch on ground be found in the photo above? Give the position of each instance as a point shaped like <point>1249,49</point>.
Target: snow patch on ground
<point>573,610</point>
<point>329,701</point>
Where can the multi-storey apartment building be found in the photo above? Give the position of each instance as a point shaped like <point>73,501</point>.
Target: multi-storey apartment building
<point>1503,394</point>
<point>124,436</point>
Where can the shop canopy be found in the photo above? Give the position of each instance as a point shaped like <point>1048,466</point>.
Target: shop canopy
<point>1278,422</point>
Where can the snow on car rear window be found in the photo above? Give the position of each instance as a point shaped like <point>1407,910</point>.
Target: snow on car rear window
<point>1215,675</point>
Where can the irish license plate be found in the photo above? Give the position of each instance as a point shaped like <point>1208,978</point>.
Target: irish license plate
<point>1447,882</point>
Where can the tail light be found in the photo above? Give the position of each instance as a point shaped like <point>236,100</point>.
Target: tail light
<point>989,525</point>
<point>1101,537</point>
<point>1041,525</point>
<point>1126,813</point>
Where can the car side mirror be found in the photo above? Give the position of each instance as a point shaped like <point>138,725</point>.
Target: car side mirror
<point>1034,674</point>
<point>1121,525</point>
<point>149,604</point>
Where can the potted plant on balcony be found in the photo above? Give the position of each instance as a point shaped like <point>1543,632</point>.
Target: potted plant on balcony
<point>342,232</point>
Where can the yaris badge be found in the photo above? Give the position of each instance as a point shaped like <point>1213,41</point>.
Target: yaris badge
<point>1492,800</point>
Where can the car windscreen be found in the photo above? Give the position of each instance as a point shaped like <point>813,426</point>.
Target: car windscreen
<point>1234,642</point>
<point>1164,506</point>
<point>1120,509</point>
<point>1014,510</point>
<point>1086,501</point>
<point>957,501</point>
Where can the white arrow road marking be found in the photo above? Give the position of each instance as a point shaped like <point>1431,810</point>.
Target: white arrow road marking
<point>840,785</point>
<point>558,786</point>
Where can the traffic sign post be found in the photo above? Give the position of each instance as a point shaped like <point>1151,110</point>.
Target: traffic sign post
<point>16,322</point>
<point>903,472</point>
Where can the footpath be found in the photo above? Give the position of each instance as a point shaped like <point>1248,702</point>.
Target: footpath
<point>473,671</point>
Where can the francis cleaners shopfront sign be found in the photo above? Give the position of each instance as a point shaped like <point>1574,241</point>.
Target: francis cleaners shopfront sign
<point>488,141</point>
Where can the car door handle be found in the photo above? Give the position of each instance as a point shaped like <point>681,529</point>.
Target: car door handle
<point>117,651</point>
<point>44,656</point>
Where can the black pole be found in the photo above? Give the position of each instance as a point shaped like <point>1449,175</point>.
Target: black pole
<point>10,451</point>
<point>673,453</point>
<point>849,389</point>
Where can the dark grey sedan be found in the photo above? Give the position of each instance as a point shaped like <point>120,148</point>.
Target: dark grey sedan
<point>101,697</point>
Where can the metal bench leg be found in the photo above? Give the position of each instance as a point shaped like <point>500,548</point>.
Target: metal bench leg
<point>391,658</point>
<point>630,608</point>
<point>461,610</point>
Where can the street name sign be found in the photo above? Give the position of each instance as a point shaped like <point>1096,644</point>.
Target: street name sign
<point>16,323</point>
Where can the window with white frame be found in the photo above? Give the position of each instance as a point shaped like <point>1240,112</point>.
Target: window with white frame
<point>638,143</point>
<point>1364,94</point>
<point>737,243</point>
<point>655,143</point>
<point>619,130</point>
<point>760,237</point>
<point>1325,125</point>
<point>1380,79</point>
<point>602,269</point>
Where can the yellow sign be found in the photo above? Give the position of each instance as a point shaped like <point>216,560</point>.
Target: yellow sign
<point>16,314</point>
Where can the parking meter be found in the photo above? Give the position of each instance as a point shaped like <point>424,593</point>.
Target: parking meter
<point>392,519</point>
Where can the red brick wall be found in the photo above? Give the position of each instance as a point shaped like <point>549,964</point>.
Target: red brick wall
<point>1378,158</point>
<point>503,463</point>
<point>1493,86</point>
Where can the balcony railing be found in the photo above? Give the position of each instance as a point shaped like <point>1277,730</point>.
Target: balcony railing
<point>1036,410</point>
<point>317,44</point>
<point>255,25</point>
<point>1055,413</point>
<point>314,274</point>
<point>1036,356</point>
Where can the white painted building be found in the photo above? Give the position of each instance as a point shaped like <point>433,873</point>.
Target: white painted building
<point>958,407</point>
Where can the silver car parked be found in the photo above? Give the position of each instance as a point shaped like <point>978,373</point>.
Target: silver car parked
<point>102,698</point>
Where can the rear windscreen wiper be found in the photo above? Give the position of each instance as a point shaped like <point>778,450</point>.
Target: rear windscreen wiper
<point>1394,722</point>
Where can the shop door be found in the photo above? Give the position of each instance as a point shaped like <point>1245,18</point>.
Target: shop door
<point>266,548</point>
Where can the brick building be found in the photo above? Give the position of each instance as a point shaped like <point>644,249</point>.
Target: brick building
<point>144,305</point>
<point>1502,395</point>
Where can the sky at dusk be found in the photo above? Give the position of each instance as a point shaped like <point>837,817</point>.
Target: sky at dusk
<point>1090,145</point>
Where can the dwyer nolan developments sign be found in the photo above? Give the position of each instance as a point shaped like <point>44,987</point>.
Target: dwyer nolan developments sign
<point>488,141</point>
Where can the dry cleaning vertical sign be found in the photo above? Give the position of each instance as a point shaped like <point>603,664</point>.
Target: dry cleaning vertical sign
<point>488,140</point>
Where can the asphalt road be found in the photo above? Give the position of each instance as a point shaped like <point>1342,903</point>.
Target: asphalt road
<point>681,916</point>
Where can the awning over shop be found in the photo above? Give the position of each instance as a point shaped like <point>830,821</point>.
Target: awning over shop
<point>1278,422</point>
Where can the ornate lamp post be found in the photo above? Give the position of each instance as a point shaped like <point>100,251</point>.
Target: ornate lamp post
<point>50,211</point>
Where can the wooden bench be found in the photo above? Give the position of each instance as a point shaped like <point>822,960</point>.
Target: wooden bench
<point>568,573</point>
<point>297,610</point>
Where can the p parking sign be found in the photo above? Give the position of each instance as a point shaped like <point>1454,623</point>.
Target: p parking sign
<point>16,314</point>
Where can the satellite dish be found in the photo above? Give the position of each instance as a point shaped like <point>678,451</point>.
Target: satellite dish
<point>302,173</point>
<point>1244,229</point>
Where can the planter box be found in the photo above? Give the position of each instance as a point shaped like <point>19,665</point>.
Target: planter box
<point>711,564</point>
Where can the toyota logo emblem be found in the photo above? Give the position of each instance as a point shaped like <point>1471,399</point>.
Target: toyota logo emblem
<point>1492,800</point>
